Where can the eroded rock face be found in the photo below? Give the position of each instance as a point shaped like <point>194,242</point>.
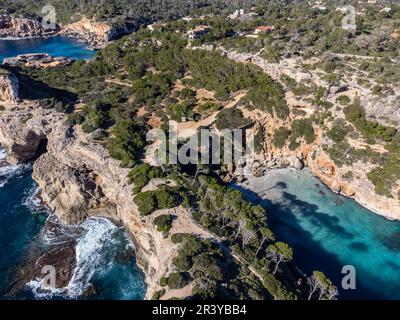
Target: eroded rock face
<point>24,136</point>
<point>323,167</point>
<point>9,88</point>
<point>96,34</point>
<point>12,27</point>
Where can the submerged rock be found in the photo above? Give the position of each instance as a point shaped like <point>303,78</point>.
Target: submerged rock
<point>56,248</point>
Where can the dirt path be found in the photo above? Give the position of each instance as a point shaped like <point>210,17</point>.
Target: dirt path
<point>189,128</point>
<point>119,82</point>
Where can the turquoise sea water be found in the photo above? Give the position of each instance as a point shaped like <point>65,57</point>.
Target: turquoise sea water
<point>55,46</point>
<point>104,256</point>
<point>328,231</point>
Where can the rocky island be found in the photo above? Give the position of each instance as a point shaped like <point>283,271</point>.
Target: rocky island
<point>37,60</point>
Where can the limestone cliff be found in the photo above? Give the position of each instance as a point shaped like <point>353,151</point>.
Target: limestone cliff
<point>8,88</point>
<point>322,166</point>
<point>78,179</point>
<point>96,34</point>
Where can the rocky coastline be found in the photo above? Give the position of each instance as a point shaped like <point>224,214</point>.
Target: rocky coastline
<point>95,34</point>
<point>78,179</point>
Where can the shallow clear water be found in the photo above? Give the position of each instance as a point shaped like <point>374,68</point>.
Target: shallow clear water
<point>328,231</point>
<point>55,46</point>
<point>104,254</point>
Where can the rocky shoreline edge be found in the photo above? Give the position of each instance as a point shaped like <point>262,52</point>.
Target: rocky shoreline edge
<point>78,179</point>
<point>95,34</point>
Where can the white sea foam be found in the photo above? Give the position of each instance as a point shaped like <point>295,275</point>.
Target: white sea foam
<point>8,171</point>
<point>91,256</point>
<point>2,154</point>
<point>31,200</point>
<point>100,234</point>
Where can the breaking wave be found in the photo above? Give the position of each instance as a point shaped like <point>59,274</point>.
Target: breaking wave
<point>95,250</point>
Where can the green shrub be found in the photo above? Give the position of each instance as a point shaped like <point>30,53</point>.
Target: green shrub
<point>187,93</point>
<point>141,175</point>
<point>178,237</point>
<point>343,100</point>
<point>301,128</point>
<point>280,137</point>
<point>163,198</point>
<point>158,294</point>
<point>163,222</point>
<point>339,132</point>
<point>231,118</point>
<point>163,281</point>
<point>74,119</point>
<point>276,288</point>
<point>207,265</point>
<point>370,130</point>
<point>178,280</point>
<point>208,107</point>
<point>95,116</point>
<point>181,110</point>
<point>126,141</point>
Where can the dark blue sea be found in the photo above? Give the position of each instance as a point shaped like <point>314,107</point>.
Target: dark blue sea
<point>57,46</point>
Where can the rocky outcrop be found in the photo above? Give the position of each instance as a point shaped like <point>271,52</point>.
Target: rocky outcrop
<point>12,27</point>
<point>322,166</point>
<point>357,186</point>
<point>96,34</point>
<point>24,136</point>
<point>78,179</point>
<point>37,60</point>
<point>9,88</point>
<point>60,254</point>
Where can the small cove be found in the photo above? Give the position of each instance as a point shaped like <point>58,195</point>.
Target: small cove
<point>328,231</point>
